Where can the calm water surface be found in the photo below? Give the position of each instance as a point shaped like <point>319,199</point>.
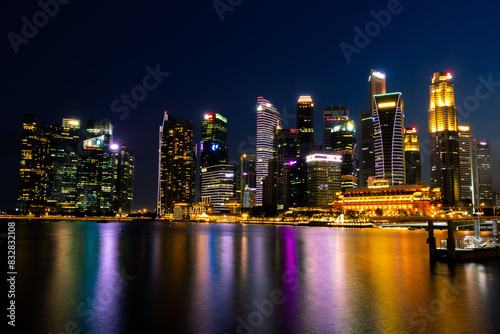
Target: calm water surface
<point>157,277</point>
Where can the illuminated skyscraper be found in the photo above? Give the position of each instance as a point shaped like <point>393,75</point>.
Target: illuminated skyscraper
<point>268,119</point>
<point>94,190</point>
<point>286,154</point>
<point>343,141</point>
<point>376,82</point>
<point>443,138</point>
<point>484,194</point>
<point>376,85</point>
<point>248,180</point>
<point>218,186</point>
<point>213,148</point>
<point>466,148</point>
<point>331,117</point>
<point>33,170</point>
<point>323,179</point>
<point>63,165</point>
<point>176,165</point>
<point>124,164</point>
<point>388,138</point>
<point>413,167</point>
<point>305,125</point>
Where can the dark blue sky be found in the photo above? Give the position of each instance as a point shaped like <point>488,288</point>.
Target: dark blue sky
<point>91,52</point>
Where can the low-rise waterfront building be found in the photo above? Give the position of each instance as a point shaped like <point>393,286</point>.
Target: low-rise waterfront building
<point>391,199</point>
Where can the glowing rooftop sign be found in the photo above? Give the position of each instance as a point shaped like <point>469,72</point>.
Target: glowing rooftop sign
<point>305,99</point>
<point>222,118</point>
<point>378,75</point>
<point>463,128</point>
<point>114,147</point>
<point>387,104</point>
<point>324,157</point>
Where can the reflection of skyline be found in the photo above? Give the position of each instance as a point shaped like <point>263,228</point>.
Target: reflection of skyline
<point>204,276</point>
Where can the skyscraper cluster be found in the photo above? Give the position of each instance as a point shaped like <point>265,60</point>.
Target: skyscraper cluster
<point>64,172</point>
<point>289,170</point>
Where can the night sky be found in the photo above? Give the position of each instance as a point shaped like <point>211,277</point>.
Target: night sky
<point>90,52</point>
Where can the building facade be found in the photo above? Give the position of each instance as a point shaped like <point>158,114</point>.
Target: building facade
<point>176,164</point>
<point>392,200</point>
<point>443,138</point>
<point>344,142</point>
<point>268,119</point>
<point>413,166</point>
<point>484,194</point>
<point>248,180</point>
<point>33,185</point>
<point>271,183</point>
<point>305,125</point>
<point>323,179</point>
<point>63,175</point>
<point>466,149</point>
<point>94,191</point>
<point>376,86</point>
<point>218,186</point>
<point>388,138</point>
<point>213,146</point>
<point>365,147</point>
<point>286,155</point>
<point>124,164</point>
<point>332,116</point>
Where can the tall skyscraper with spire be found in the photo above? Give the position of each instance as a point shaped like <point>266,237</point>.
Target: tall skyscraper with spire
<point>376,85</point>
<point>443,138</point>
<point>268,119</point>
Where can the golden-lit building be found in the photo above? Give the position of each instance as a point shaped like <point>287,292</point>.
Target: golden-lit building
<point>413,166</point>
<point>390,199</point>
<point>443,138</point>
<point>176,175</point>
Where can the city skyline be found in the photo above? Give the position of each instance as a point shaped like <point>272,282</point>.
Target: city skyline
<point>61,87</point>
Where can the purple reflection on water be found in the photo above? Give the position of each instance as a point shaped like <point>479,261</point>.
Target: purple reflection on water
<point>290,278</point>
<point>104,305</point>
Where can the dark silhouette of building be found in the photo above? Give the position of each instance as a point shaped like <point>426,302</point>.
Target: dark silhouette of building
<point>305,125</point>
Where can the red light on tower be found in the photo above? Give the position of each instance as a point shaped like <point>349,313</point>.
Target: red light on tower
<point>414,129</point>
<point>166,112</point>
<point>448,75</point>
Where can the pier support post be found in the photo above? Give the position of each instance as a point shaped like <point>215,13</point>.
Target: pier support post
<point>431,240</point>
<point>450,242</point>
<point>477,226</point>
